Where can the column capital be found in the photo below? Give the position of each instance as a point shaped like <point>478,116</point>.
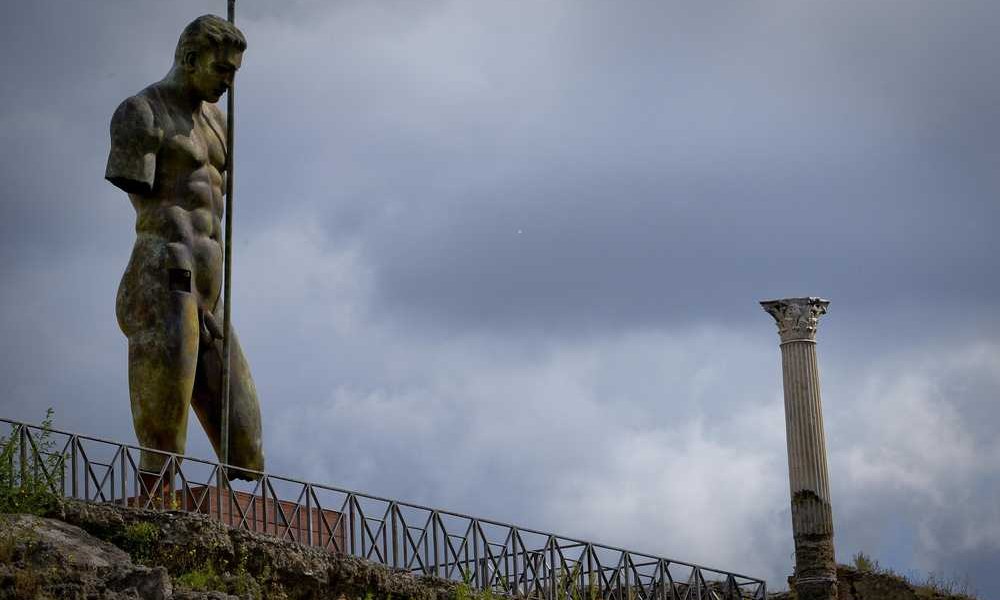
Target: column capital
<point>797,318</point>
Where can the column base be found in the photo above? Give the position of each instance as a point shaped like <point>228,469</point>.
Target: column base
<point>815,589</point>
<point>815,568</point>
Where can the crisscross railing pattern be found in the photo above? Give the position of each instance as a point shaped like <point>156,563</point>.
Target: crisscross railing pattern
<point>485,554</point>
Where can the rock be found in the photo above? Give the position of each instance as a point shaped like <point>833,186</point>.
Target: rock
<point>48,558</point>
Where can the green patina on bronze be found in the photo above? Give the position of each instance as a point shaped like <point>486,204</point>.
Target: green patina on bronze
<point>168,152</point>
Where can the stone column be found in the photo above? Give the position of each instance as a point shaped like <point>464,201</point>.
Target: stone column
<point>812,519</point>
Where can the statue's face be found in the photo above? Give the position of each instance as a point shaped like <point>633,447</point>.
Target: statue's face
<point>211,72</point>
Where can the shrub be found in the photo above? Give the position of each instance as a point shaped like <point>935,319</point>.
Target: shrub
<point>139,540</point>
<point>932,586</point>
<point>31,485</point>
<point>865,564</point>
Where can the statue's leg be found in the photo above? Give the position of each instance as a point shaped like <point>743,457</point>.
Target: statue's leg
<point>162,362</point>
<point>245,443</point>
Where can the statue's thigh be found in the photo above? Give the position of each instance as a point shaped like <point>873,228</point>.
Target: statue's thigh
<point>245,437</point>
<point>163,359</point>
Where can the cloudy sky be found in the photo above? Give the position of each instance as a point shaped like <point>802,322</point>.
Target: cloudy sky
<point>504,257</point>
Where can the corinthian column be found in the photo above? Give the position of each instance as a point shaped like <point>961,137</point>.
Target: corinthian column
<point>812,519</point>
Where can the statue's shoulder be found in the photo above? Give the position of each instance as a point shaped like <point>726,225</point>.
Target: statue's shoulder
<point>136,134</point>
<point>137,115</point>
<point>147,106</point>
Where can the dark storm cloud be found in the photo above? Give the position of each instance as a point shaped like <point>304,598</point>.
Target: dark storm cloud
<point>630,160</point>
<point>504,257</point>
<point>631,179</point>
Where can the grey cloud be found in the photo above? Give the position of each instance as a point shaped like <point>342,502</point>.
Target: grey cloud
<point>636,177</point>
<point>915,457</point>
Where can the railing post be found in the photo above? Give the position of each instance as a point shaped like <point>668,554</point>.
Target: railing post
<point>482,565</point>
<point>218,492</point>
<point>253,511</point>
<point>475,555</point>
<point>428,567</point>
<point>169,492</point>
<point>86,478</point>
<point>8,452</point>
<point>62,475</point>
<point>263,499</point>
<point>385,542</point>
<point>660,585</point>
<point>351,512</point>
<point>434,528</point>
<point>229,499</point>
<point>309,520</point>
<point>406,545</point>
<point>113,477</point>
<point>552,568</point>
<point>22,442</point>
<point>513,547</point>
<point>395,545</point>
<point>625,569</point>
<point>123,476</point>
<point>73,472</point>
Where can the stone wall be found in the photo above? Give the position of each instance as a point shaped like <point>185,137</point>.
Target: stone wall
<point>110,553</point>
<point>107,552</point>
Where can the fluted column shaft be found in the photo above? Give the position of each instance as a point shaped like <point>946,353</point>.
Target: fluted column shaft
<point>812,518</point>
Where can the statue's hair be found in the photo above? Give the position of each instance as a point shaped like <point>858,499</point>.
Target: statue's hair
<point>208,32</point>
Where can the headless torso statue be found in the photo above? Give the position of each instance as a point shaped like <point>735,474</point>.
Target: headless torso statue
<point>168,152</point>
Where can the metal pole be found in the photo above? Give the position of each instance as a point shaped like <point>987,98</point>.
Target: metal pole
<point>228,265</point>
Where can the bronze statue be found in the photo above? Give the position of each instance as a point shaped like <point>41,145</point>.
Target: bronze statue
<point>168,152</point>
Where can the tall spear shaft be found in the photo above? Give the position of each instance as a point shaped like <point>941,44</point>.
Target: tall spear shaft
<point>228,265</point>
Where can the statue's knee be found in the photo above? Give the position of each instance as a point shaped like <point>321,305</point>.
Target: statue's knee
<point>152,462</point>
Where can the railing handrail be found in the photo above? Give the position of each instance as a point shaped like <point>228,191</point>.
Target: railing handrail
<point>177,459</point>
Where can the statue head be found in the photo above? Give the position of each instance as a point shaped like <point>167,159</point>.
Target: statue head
<point>209,52</point>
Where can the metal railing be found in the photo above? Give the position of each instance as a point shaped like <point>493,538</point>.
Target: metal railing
<point>485,554</point>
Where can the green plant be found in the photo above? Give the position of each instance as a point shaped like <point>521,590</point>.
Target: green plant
<point>202,579</point>
<point>31,476</point>
<point>206,577</point>
<point>866,564</point>
<point>243,584</point>
<point>465,591</point>
<point>939,585</point>
<point>139,540</point>
<point>569,586</point>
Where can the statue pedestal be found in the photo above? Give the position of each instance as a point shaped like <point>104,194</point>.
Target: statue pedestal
<point>282,519</point>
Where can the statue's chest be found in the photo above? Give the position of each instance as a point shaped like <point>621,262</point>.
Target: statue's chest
<point>193,143</point>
